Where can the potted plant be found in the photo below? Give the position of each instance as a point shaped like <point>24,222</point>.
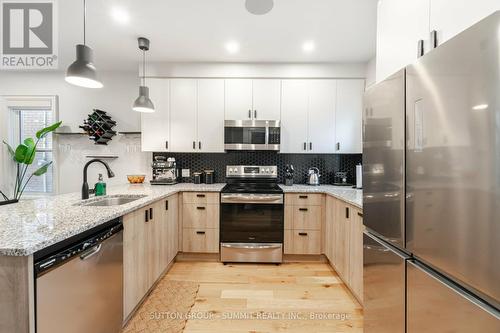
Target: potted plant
<point>23,156</point>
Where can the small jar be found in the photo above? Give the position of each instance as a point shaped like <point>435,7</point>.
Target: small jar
<point>197,177</point>
<point>209,176</point>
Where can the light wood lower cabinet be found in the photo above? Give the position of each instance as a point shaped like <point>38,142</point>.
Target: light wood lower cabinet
<point>303,223</point>
<point>200,222</point>
<point>344,242</point>
<point>149,245</point>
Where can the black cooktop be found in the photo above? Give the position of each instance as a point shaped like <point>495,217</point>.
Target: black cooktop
<point>251,187</point>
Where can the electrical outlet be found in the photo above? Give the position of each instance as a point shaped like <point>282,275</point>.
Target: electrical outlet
<point>186,173</point>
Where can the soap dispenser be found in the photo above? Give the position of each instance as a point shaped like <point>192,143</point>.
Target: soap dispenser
<point>100,186</point>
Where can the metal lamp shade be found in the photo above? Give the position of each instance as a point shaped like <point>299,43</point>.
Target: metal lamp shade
<point>83,72</point>
<point>143,103</point>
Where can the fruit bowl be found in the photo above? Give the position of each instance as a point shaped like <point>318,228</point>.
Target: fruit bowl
<point>136,179</point>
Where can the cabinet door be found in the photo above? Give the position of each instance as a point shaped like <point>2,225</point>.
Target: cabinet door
<point>329,227</point>
<point>153,235</point>
<point>183,115</point>
<point>238,99</point>
<point>295,103</point>
<point>210,116</point>
<point>450,17</point>
<point>135,271</point>
<point>173,226</point>
<point>355,279</point>
<point>348,116</point>
<point>400,25</point>
<point>341,239</point>
<point>155,127</point>
<point>266,99</point>
<point>321,129</point>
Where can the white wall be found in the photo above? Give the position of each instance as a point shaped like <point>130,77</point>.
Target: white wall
<point>260,70</point>
<point>370,72</point>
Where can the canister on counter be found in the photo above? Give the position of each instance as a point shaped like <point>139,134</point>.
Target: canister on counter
<point>197,177</point>
<point>209,176</point>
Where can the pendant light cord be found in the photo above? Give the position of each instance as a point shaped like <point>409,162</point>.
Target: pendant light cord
<point>84,20</point>
<point>143,67</point>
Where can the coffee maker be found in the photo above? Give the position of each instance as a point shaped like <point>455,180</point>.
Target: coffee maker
<point>165,171</point>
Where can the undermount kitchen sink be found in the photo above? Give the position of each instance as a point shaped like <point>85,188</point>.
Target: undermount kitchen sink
<point>115,200</point>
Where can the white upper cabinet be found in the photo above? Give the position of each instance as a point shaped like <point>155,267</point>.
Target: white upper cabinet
<point>450,17</point>
<point>266,99</point>
<point>321,124</point>
<point>238,99</point>
<point>308,116</point>
<point>400,25</point>
<point>155,127</point>
<point>210,124</point>
<point>183,94</point>
<point>252,99</point>
<point>348,116</point>
<point>295,105</point>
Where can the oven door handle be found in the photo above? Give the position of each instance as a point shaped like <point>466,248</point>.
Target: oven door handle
<point>251,198</point>
<point>256,247</point>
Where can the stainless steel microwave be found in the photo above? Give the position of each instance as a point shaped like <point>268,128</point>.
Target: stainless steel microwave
<point>252,135</point>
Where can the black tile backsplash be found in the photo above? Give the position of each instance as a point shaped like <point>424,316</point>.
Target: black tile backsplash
<point>328,164</point>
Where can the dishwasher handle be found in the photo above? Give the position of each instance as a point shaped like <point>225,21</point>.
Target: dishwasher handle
<point>92,252</point>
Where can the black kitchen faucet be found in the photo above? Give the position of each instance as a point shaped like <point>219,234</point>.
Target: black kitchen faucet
<point>85,187</point>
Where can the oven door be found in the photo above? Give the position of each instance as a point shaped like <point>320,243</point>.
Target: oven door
<point>257,220</point>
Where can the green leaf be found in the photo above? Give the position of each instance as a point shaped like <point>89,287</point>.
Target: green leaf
<point>20,153</point>
<point>44,131</point>
<point>43,169</point>
<point>30,153</point>
<point>12,153</point>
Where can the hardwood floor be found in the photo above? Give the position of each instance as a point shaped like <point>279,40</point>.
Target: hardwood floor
<point>255,298</point>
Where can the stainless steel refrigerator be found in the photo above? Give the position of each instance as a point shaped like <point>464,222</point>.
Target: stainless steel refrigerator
<point>431,156</point>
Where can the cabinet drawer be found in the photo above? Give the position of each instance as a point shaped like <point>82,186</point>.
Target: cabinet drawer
<point>302,242</point>
<point>200,240</point>
<point>306,217</point>
<point>301,199</point>
<point>200,216</point>
<point>200,197</point>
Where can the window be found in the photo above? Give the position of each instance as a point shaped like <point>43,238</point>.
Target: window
<point>27,117</point>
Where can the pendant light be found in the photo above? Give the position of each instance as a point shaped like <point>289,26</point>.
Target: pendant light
<point>143,103</point>
<point>82,72</point>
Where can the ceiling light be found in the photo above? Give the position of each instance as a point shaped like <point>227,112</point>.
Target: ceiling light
<point>232,47</point>
<point>480,107</point>
<point>143,102</point>
<point>120,15</point>
<point>82,72</point>
<point>259,7</point>
<point>308,46</point>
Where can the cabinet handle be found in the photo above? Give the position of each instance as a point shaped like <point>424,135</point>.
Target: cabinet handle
<point>347,212</point>
<point>199,144</point>
<point>200,208</point>
<point>166,205</point>
<point>434,39</point>
<point>250,114</point>
<point>305,145</point>
<point>338,146</point>
<point>194,144</point>
<point>303,196</point>
<point>166,144</point>
<point>303,209</point>
<point>200,232</point>
<point>420,48</point>
<point>146,218</point>
<point>310,146</point>
<point>200,195</point>
<point>302,233</point>
<point>151,213</point>
<point>360,214</point>
<point>255,114</point>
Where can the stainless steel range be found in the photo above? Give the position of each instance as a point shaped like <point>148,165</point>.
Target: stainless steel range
<point>251,224</point>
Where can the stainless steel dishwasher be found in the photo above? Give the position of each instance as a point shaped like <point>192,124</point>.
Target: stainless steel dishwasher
<point>79,283</point>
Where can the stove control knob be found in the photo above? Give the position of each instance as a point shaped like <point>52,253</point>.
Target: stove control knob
<point>267,170</point>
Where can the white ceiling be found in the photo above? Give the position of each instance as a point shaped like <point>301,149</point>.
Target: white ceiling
<point>197,31</point>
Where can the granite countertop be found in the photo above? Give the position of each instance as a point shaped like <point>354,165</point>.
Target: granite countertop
<point>32,225</point>
<point>348,194</point>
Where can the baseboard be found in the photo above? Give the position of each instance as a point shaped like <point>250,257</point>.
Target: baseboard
<point>210,257</point>
<point>289,258</point>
